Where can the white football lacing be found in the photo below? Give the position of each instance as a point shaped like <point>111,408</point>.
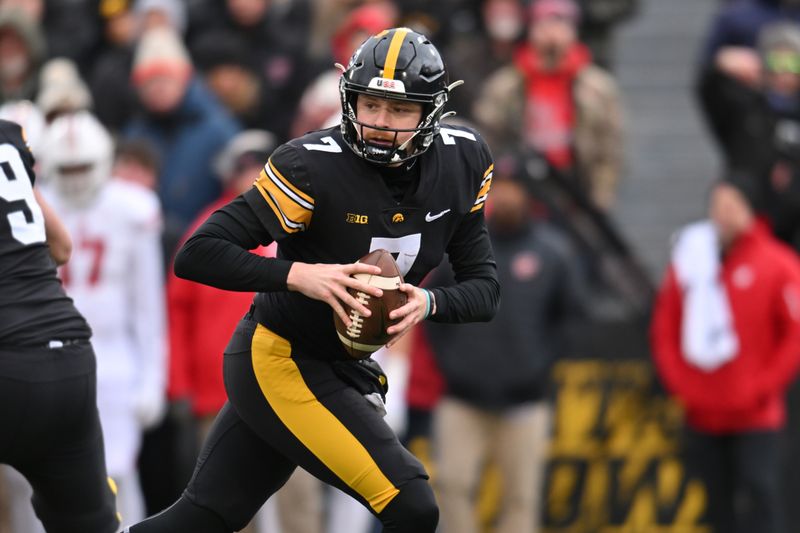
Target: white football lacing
<point>356,319</point>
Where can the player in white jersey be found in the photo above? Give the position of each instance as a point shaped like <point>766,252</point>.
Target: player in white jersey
<point>115,277</point>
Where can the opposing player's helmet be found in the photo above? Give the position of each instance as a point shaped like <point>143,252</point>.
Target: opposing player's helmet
<point>77,154</point>
<point>398,64</point>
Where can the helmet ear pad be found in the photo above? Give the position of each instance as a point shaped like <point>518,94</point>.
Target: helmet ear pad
<point>396,64</point>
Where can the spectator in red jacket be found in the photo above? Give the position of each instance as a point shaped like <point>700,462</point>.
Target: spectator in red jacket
<point>201,318</point>
<point>726,344</point>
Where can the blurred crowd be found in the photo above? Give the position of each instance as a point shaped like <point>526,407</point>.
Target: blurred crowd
<point>146,115</point>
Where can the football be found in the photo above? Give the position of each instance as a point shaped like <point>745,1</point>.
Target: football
<point>368,334</point>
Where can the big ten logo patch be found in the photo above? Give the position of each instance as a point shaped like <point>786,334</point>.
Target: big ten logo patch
<point>352,218</point>
<point>614,463</point>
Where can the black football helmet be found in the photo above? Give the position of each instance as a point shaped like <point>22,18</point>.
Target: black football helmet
<point>398,64</point>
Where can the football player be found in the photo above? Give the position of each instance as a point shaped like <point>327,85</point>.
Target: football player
<point>392,177</point>
<point>115,277</point>
<point>51,430</point>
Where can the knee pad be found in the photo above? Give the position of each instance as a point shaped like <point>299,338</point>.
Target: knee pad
<point>413,510</point>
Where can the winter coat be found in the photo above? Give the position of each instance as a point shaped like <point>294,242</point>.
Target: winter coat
<point>506,362</point>
<point>597,136</point>
<point>201,321</point>
<point>187,142</point>
<point>761,277</point>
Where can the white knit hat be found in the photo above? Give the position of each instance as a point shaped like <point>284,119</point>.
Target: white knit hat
<point>160,52</point>
<point>61,88</point>
<point>258,143</point>
<point>174,10</point>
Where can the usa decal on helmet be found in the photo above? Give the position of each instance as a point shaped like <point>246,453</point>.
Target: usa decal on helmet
<point>384,84</point>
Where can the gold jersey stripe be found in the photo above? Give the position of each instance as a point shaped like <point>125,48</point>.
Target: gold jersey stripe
<point>394,52</point>
<point>275,209</point>
<point>289,211</point>
<point>312,423</point>
<point>287,191</point>
<point>302,196</point>
<point>287,225</point>
<point>483,193</point>
<point>486,184</point>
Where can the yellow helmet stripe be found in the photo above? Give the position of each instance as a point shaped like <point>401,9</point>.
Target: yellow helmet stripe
<point>394,52</point>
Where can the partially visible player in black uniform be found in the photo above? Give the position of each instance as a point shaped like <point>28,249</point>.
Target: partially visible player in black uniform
<point>389,178</point>
<point>48,411</point>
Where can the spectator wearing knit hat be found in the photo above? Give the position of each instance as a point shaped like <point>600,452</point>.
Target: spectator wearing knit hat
<point>184,121</point>
<point>552,99</point>
<point>61,89</point>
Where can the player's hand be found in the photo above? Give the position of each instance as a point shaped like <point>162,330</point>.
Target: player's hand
<point>329,283</point>
<point>741,63</point>
<point>409,314</point>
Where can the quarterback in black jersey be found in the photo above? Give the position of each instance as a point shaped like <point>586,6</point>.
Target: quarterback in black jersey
<point>48,413</point>
<point>392,177</point>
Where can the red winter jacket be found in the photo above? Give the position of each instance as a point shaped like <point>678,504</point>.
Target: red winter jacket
<point>201,321</point>
<point>762,279</point>
<point>425,382</point>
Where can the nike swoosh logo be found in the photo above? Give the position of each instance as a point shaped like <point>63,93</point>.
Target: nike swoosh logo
<point>431,218</point>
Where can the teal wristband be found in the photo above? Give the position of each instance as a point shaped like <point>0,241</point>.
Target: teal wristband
<point>427,304</point>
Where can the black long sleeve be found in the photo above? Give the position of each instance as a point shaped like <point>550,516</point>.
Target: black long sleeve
<point>476,295</point>
<point>724,101</point>
<point>217,253</point>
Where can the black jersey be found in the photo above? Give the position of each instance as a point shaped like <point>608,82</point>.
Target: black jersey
<point>324,204</point>
<point>34,308</point>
